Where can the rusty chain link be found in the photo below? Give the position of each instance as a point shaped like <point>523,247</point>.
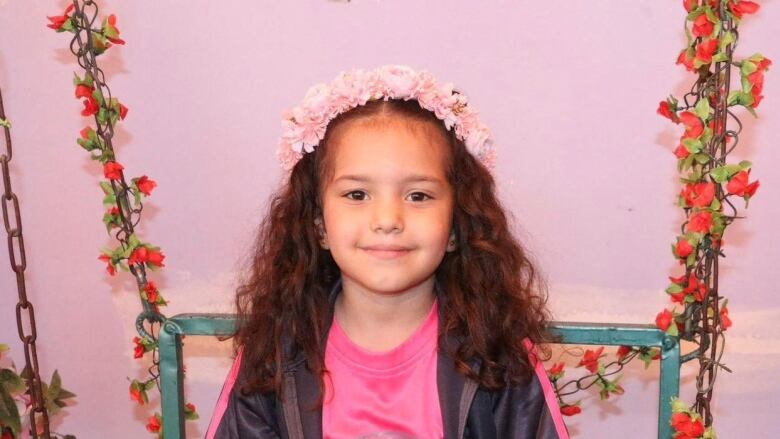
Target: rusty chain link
<point>24,308</point>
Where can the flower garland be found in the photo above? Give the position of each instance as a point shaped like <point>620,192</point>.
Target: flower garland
<point>122,200</point>
<point>304,126</point>
<point>709,184</point>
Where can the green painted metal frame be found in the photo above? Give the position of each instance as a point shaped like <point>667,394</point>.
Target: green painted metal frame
<point>570,332</point>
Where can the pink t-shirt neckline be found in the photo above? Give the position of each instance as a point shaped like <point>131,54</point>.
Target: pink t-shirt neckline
<point>420,342</point>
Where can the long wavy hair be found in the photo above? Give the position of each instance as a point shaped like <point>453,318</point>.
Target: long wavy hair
<point>494,297</point>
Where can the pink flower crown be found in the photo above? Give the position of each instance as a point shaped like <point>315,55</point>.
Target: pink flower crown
<point>304,126</point>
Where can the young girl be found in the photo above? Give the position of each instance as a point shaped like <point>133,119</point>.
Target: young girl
<point>387,297</point>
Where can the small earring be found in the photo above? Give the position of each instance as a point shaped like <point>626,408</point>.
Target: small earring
<point>451,245</point>
<point>321,233</point>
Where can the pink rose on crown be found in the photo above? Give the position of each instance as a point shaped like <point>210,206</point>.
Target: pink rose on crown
<point>316,100</point>
<point>399,81</point>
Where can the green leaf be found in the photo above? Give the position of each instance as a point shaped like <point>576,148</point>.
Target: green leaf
<point>12,382</point>
<point>692,145</point>
<point>745,165</point>
<point>101,116</point>
<point>701,158</point>
<point>672,330</point>
<point>5,123</point>
<point>9,414</point>
<point>715,205</point>
<point>133,240</point>
<point>98,96</point>
<point>719,57</point>
<point>728,38</point>
<point>106,186</point>
<point>56,385</point>
<point>109,200</point>
<point>702,109</point>
<point>149,385</point>
<point>747,68</point>
<point>674,288</point>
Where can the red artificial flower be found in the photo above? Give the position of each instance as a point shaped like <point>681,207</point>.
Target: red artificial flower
<point>698,289</point>
<point>90,106</point>
<point>110,267</point>
<point>683,248</point>
<point>690,5</point>
<point>58,20</point>
<point>570,410</point>
<point>113,211</point>
<point>139,255</point>
<point>705,50</point>
<point>693,125</point>
<point>155,258</point>
<point>84,91</point>
<point>743,7</point>
<point>189,407</point>
<point>591,359</point>
<point>681,151</point>
<point>738,185</point>
<point>153,424</point>
<point>664,319</point>
<point>623,351</point>
<point>702,26</point>
<point>112,22</point>
<point>686,59</point>
<point>682,423</point>
<point>113,170</point>
<point>136,395</point>
<point>725,321</point>
<point>151,291</point>
<point>698,194</point>
<point>145,185</point>
<point>763,63</point>
<point>142,254</point>
<point>700,221</point>
<point>122,111</point>
<point>84,133</point>
<point>139,349</point>
<point>666,111</point>
<point>555,371</point>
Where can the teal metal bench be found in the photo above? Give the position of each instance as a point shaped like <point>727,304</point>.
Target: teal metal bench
<point>570,333</point>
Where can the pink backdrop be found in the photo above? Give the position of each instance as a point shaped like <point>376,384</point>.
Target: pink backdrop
<point>569,89</point>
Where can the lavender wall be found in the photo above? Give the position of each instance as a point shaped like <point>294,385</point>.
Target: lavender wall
<point>586,167</point>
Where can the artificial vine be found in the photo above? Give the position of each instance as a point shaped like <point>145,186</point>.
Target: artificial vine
<point>710,183</point>
<point>121,199</point>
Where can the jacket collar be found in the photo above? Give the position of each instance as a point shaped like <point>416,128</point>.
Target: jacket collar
<point>455,391</point>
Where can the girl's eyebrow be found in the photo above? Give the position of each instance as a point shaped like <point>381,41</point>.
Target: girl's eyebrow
<point>410,178</point>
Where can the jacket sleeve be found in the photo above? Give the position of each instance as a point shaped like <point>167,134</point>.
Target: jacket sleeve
<point>239,416</point>
<point>530,411</point>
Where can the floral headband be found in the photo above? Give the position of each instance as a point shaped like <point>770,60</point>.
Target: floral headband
<point>304,126</point>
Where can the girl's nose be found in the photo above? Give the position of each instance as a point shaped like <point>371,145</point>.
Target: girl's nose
<point>387,216</point>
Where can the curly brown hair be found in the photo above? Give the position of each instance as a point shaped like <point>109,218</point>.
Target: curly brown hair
<point>494,295</point>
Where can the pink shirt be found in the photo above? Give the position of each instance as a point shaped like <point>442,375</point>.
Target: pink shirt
<point>388,395</point>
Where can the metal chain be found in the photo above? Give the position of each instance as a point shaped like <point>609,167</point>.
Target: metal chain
<point>24,309</point>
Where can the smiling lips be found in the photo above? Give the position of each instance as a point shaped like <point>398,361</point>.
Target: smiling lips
<point>386,251</point>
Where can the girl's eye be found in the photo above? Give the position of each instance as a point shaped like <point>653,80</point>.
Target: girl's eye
<point>354,192</point>
<point>423,194</point>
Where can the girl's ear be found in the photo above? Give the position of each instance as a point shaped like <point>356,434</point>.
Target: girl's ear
<point>451,244</point>
<point>323,235</point>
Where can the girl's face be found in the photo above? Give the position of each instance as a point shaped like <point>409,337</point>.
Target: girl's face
<point>388,206</point>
